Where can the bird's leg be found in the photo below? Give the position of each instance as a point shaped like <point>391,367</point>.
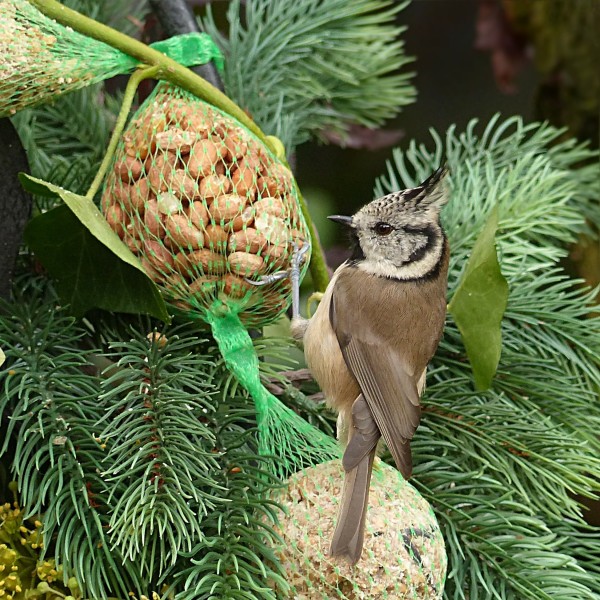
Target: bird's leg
<point>297,258</point>
<point>293,273</point>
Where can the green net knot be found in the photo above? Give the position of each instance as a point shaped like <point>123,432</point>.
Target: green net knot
<point>190,49</point>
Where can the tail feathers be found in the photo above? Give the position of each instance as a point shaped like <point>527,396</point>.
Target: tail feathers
<point>349,533</point>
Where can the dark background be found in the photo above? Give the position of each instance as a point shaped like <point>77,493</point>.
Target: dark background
<point>454,82</point>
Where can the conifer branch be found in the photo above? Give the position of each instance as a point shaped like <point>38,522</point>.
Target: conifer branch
<point>161,453</point>
<point>238,534</point>
<point>504,466</point>
<point>52,405</point>
<point>306,68</point>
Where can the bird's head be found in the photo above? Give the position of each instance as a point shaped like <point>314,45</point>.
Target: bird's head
<point>399,235</point>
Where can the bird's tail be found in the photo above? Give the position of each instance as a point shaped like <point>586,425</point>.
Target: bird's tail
<point>350,530</point>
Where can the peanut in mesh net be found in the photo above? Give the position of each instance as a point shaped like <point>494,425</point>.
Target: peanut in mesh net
<point>205,206</point>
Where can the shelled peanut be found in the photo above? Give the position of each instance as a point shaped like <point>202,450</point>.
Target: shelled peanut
<point>202,204</point>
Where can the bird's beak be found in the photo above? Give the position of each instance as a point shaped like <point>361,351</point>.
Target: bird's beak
<point>347,221</point>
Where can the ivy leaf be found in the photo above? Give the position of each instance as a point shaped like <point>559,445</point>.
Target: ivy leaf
<point>38,187</point>
<point>92,266</point>
<point>479,303</point>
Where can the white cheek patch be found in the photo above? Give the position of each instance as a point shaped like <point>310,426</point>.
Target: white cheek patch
<point>409,271</point>
<point>421,219</point>
<point>384,268</point>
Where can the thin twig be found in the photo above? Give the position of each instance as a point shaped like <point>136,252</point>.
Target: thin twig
<point>132,86</point>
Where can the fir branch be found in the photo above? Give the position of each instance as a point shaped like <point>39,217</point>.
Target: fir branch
<point>509,439</point>
<point>495,551</point>
<point>584,543</point>
<point>238,534</point>
<point>161,451</point>
<point>51,405</point>
<point>496,145</point>
<point>502,468</point>
<point>306,66</point>
<point>65,141</point>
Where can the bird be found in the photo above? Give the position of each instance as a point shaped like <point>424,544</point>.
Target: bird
<point>373,334</point>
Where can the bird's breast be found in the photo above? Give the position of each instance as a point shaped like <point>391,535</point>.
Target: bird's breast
<point>325,360</point>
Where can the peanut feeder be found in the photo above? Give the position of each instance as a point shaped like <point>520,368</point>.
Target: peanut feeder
<point>210,212</point>
<point>205,206</point>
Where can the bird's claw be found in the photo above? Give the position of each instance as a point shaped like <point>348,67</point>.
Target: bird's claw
<point>296,261</point>
<point>299,252</point>
<point>293,273</point>
<point>267,279</point>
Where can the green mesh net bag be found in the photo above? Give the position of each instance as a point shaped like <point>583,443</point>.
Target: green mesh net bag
<point>214,218</point>
<point>42,59</point>
<point>403,557</point>
<point>205,207</point>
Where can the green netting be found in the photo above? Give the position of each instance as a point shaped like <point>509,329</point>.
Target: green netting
<point>42,59</point>
<point>205,207</point>
<point>209,211</point>
<point>403,557</point>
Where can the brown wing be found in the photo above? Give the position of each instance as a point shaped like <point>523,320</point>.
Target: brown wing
<point>388,381</point>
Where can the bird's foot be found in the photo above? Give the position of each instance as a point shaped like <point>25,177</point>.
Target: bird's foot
<point>293,273</point>
<point>267,279</point>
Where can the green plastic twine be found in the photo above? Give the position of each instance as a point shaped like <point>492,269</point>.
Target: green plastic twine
<point>188,49</point>
<point>288,438</point>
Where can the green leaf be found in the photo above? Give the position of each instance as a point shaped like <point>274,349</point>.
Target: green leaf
<point>93,268</point>
<point>89,215</point>
<point>37,187</point>
<point>479,304</point>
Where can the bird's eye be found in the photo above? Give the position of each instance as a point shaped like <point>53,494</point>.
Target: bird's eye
<point>383,228</point>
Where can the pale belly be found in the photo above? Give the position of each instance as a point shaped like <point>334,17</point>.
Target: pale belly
<point>326,362</point>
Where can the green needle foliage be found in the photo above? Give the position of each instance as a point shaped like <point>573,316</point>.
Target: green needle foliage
<point>503,467</point>
<point>48,410</point>
<point>310,67</point>
<point>137,448</point>
<point>125,15</point>
<point>159,448</point>
<point>235,557</point>
<point>145,472</point>
<point>68,150</point>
